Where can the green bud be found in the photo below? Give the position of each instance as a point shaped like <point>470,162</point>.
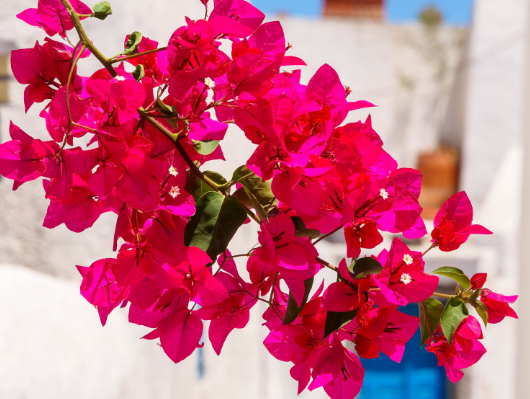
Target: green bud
<point>139,72</point>
<point>102,10</point>
<point>131,47</point>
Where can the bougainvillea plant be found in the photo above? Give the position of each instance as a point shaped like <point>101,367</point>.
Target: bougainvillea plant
<point>154,116</point>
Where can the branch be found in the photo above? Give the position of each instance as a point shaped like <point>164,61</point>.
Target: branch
<point>116,59</point>
<point>327,235</point>
<point>327,264</point>
<point>74,16</point>
<point>442,295</point>
<point>69,82</point>
<point>181,150</point>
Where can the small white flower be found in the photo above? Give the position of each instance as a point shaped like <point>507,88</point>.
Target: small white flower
<point>173,171</point>
<point>383,193</point>
<point>174,192</point>
<point>406,279</point>
<point>209,82</point>
<point>408,259</point>
<point>120,78</point>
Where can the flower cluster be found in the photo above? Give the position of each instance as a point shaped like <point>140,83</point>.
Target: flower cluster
<point>153,116</point>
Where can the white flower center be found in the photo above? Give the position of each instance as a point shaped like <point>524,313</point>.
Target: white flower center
<point>173,171</point>
<point>408,259</point>
<point>120,78</point>
<point>406,279</point>
<point>174,192</point>
<point>383,193</point>
<point>209,82</point>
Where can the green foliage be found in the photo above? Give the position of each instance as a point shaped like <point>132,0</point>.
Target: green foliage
<point>256,204</point>
<point>456,274</point>
<point>131,47</point>
<point>365,266</point>
<point>199,187</point>
<point>311,233</point>
<point>455,312</point>
<point>139,72</point>
<point>336,320</point>
<point>481,309</point>
<point>214,224</point>
<point>102,10</point>
<point>293,310</point>
<point>431,311</point>
<point>260,189</point>
<point>205,147</point>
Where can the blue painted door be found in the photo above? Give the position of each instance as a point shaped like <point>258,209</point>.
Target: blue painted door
<point>416,377</point>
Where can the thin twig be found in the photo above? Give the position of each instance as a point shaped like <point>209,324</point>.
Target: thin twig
<point>180,149</point>
<point>327,264</point>
<point>69,83</point>
<point>272,290</point>
<point>327,235</point>
<point>74,16</point>
<point>442,295</point>
<point>115,59</point>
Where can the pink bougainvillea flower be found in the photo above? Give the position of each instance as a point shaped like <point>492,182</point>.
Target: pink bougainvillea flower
<point>478,280</point>
<point>232,312</point>
<point>362,234</point>
<point>297,190</point>
<point>294,257</point>
<point>52,17</point>
<point>465,351</point>
<point>239,10</point>
<point>100,289</point>
<point>452,224</point>
<point>348,295</point>
<point>24,158</point>
<point>498,305</point>
<point>380,329</point>
<point>403,279</point>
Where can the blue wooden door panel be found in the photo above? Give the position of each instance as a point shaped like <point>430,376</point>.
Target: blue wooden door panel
<point>416,377</point>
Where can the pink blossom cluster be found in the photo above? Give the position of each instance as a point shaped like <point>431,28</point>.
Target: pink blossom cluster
<point>150,130</point>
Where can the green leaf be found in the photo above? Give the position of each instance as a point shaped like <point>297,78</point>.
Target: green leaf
<point>131,47</point>
<point>311,233</point>
<point>431,311</point>
<point>243,197</point>
<point>205,147</point>
<point>455,312</point>
<point>336,320</point>
<point>365,266</point>
<point>261,189</point>
<point>200,188</point>
<point>214,224</point>
<point>164,108</point>
<point>482,310</point>
<point>476,294</point>
<point>102,10</point>
<point>293,310</point>
<point>255,204</point>
<point>298,222</point>
<point>456,274</point>
<point>139,72</point>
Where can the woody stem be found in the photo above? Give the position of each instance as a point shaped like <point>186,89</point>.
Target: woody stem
<point>327,235</point>
<point>272,289</point>
<point>74,16</point>
<point>181,150</point>
<point>115,59</point>
<point>442,295</point>
<point>69,83</point>
<point>327,264</point>
<point>428,249</point>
